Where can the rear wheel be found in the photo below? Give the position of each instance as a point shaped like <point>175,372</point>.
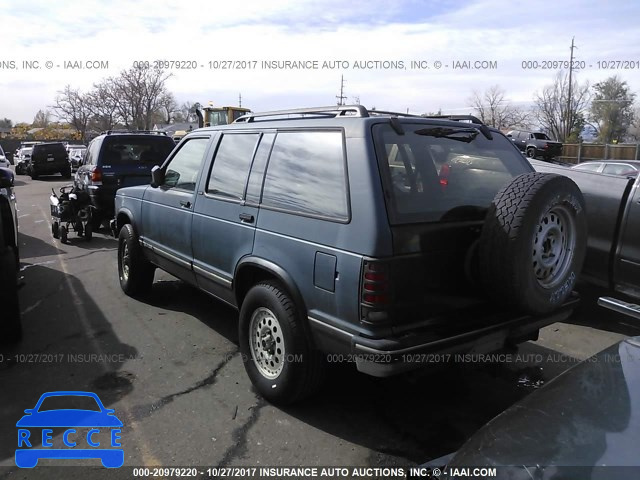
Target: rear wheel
<point>66,173</point>
<point>276,352</point>
<point>96,220</point>
<point>533,242</point>
<point>10,326</point>
<point>88,232</point>
<point>55,229</point>
<point>135,271</point>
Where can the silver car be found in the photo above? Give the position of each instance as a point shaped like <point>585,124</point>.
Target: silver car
<point>625,168</point>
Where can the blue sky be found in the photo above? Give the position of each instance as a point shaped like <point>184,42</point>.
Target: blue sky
<point>121,32</point>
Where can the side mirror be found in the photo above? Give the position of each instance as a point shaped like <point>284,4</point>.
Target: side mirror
<point>6,178</point>
<point>157,176</point>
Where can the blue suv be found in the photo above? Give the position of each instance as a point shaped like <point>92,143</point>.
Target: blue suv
<point>347,235</point>
<point>116,159</point>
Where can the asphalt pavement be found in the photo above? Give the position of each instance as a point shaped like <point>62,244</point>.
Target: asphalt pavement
<point>169,366</point>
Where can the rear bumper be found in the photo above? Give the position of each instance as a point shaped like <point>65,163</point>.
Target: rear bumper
<point>383,357</point>
<point>103,199</point>
<point>48,168</point>
<point>552,151</point>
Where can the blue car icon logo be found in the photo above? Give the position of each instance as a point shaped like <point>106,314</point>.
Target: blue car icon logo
<point>88,431</point>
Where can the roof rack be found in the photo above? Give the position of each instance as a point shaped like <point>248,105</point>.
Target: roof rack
<point>329,112</point>
<point>458,118</point>
<point>156,132</point>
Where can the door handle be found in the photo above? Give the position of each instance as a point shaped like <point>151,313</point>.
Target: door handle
<point>185,204</point>
<point>246,217</point>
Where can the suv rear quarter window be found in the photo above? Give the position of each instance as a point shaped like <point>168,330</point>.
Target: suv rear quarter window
<point>306,174</point>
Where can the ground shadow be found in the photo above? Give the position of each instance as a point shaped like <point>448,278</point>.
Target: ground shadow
<point>64,334</point>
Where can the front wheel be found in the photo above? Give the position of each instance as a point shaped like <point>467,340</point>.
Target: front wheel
<point>63,234</point>
<point>135,271</point>
<point>88,232</point>
<point>531,152</point>
<point>276,352</point>
<point>55,230</point>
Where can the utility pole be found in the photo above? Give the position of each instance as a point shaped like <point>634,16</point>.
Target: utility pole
<point>240,100</point>
<point>568,125</point>
<point>341,98</point>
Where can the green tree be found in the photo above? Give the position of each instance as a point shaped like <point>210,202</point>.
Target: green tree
<point>6,123</point>
<point>611,111</point>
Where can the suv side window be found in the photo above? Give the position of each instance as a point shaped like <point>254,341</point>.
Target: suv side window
<point>306,174</point>
<point>231,164</point>
<point>92,153</point>
<point>182,171</point>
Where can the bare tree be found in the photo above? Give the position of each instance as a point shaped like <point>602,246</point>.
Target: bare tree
<point>559,115</point>
<point>137,93</point>
<point>42,119</point>
<point>495,110</point>
<point>188,110</point>
<point>103,104</point>
<point>168,107</point>
<point>6,123</point>
<point>73,107</point>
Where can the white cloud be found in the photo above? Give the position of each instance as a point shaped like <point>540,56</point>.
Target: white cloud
<point>121,32</point>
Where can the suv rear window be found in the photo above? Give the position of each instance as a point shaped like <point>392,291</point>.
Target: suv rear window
<point>47,149</point>
<point>127,149</point>
<point>437,173</point>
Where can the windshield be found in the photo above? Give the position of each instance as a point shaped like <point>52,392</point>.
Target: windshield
<point>436,173</point>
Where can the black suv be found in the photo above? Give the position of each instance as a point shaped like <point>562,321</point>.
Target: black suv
<point>535,144</point>
<point>47,159</point>
<point>340,234</point>
<point>119,158</point>
<point>10,327</point>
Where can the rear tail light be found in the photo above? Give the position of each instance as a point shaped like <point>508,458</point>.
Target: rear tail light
<point>96,176</point>
<point>375,292</point>
<point>444,175</point>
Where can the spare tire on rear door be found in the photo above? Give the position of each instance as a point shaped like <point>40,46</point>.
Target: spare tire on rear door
<point>533,242</point>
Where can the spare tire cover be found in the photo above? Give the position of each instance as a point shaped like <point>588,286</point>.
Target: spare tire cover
<point>533,242</point>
